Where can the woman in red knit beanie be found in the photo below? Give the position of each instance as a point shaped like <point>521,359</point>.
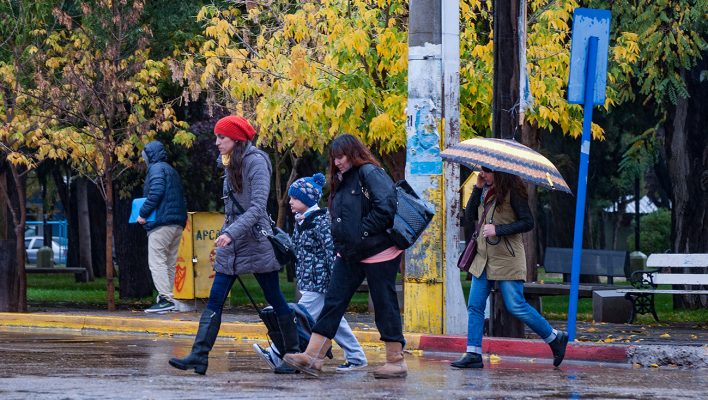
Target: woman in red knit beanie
<point>242,246</point>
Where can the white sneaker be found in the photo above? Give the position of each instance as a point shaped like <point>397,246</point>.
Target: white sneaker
<point>347,366</point>
<point>264,355</point>
<point>181,306</point>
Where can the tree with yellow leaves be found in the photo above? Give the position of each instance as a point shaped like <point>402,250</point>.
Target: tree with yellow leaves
<point>26,137</point>
<point>99,86</point>
<point>305,71</point>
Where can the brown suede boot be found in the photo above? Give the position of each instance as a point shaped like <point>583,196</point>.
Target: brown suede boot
<point>395,366</point>
<point>311,361</point>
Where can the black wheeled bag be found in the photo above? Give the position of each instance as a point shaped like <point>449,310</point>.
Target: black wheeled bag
<point>303,321</point>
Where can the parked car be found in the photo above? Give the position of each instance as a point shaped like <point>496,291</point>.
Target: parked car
<point>34,243</point>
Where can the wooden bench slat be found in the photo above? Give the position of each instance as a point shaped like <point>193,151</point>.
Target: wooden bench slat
<point>680,279</point>
<point>677,260</point>
<point>662,291</point>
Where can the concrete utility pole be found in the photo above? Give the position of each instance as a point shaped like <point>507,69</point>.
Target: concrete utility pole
<point>433,293</point>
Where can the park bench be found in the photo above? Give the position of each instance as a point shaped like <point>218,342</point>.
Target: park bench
<point>666,269</point>
<point>606,263</point>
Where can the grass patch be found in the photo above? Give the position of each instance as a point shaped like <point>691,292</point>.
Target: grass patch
<point>62,289</point>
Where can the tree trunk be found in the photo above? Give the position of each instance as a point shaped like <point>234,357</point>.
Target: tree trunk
<point>530,138</point>
<point>505,120</point>
<point>9,288</point>
<point>15,197</point>
<point>110,287</point>
<point>135,280</point>
<point>97,211</point>
<point>4,217</point>
<point>84,225</point>
<point>686,149</point>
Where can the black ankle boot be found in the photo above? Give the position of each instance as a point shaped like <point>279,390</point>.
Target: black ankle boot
<point>558,346</point>
<point>291,341</point>
<point>198,359</point>
<point>469,360</point>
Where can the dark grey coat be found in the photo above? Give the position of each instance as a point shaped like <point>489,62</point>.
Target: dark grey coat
<point>249,251</point>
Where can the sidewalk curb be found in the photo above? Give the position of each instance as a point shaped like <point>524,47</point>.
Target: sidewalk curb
<point>234,330</point>
<point>257,331</point>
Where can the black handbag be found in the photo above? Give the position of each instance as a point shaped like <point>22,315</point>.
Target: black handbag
<point>282,245</point>
<point>279,239</point>
<point>413,215</point>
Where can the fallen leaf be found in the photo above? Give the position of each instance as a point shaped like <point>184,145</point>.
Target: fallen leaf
<point>636,365</point>
<point>653,365</point>
<point>694,336</point>
<point>665,336</point>
<point>494,359</point>
<point>591,330</point>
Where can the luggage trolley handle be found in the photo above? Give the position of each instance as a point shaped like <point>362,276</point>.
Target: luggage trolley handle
<point>258,310</point>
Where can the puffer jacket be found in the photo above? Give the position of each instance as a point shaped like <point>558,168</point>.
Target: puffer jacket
<point>502,256</point>
<point>314,250</point>
<point>362,208</point>
<point>250,250</point>
<point>162,190</point>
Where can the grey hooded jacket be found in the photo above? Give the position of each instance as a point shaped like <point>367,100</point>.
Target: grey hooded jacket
<point>250,250</point>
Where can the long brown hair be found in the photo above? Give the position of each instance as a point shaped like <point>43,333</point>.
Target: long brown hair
<point>505,183</point>
<point>234,171</point>
<point>357,154</point>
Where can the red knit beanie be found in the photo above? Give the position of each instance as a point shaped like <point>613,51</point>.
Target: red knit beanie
<point>235,127</point>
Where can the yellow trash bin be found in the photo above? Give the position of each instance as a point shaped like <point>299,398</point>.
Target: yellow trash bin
<point>194,273</point>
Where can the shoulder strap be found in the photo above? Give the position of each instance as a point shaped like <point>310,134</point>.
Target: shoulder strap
<point>481,219</point>
<point>233,198</point>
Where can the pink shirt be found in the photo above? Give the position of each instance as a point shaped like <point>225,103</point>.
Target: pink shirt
<point>386,255</point>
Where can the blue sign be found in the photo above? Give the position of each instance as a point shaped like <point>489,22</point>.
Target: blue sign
<point>423,146</point>
<point>587,23</point>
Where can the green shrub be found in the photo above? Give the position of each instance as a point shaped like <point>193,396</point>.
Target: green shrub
<point>655,235</point>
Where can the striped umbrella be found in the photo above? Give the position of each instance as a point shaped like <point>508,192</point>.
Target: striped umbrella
<point>509,156</point>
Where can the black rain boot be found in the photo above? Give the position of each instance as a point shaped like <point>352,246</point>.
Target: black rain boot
<point>291,340</point>
<point>469,360</point>
<point>558,346</point>
<point>198,359</point>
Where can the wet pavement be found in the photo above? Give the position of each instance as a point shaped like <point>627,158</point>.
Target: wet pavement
<point>50,365</point>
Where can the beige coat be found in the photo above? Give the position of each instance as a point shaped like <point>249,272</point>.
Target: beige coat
<point>505,260</point>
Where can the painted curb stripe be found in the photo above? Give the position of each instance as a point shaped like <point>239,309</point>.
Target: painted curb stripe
<point>527,348</point>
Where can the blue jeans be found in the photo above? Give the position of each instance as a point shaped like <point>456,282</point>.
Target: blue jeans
<point>513,294</point>
<point>269,283</point>
<point>346,278</point>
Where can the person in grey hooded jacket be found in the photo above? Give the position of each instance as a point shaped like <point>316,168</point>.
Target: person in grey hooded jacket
<point>242,246</point>
<point>164,196</point>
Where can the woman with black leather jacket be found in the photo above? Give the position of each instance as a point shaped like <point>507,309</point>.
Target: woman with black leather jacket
<point>362,204</point>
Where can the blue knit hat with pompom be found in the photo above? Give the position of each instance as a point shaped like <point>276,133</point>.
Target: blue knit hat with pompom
<point>308,190</point>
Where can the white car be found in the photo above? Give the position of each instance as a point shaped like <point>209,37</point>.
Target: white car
<point>34,243</point>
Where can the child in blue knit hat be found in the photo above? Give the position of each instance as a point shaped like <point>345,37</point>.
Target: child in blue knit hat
<point>314,248</point>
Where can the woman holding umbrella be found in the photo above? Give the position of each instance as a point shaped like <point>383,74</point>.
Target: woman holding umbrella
<point>500,258</point>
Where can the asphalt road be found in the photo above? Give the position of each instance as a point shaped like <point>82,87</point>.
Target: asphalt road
<point>70,365</point>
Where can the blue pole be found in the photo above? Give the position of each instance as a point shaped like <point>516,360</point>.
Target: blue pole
<point>582,185</point>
